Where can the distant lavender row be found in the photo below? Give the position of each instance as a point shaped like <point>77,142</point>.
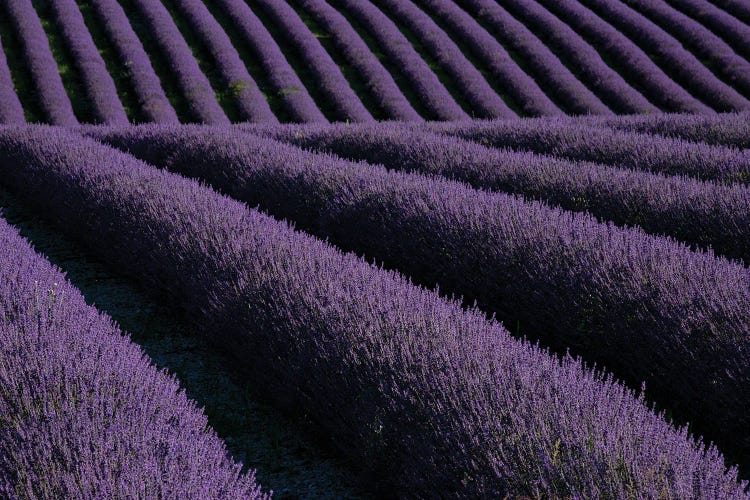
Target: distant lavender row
<point>246,95</point>
<point>484,101</point>
<point>735,32</point>
<point>434,96</point>
<point>11,111</point>
<point>636,67</point>
<point>737,8</point>
<point>519,86</point>
<point>380,83</point>
<point>435,400</point>
<point>644,307</point>
<point>685,68</point>
<point>285,82</point>
<point>712,50</point>
<point>50,92</point>
<point>699,213</point>
<point>98,84</point>
<point>325,71</point>
<point>83,413</point>
<point>182,64</point>
<point>566,139</point>
<point>154,104</point>
<point>546,68</point>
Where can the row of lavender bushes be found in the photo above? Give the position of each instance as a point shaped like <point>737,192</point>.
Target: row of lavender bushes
<point>437,400</point>
<point>83,412</point>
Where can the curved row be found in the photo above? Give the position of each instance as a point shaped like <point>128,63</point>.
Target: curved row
<point>732,30</point>
<point>402,378</point>
<point>98,84</point>
<point>83,412</point>
<point>245,92</point>
<point>737,8</point>
<point>644,307</point>
<point>11,111</point>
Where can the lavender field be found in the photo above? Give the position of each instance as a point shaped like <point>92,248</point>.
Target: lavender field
<point>374,249</point>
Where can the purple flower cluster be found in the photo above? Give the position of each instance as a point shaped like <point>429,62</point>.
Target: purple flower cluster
<point>383,88</point>
<point>11,111</point>
<point>519,86</point>
<point>637,68</point>
<point>97,82</point>
<point>436,400</point>
<point>154,104</point>
<point>327,74</point>
<point>484,101</point>
<point>83,413</point>
<point>700,213</point>
<point>250,102</point>
<point>546,68</point>
<point>193,83</point>
<point>732,30</point>
<point>434,96</point>
<point>580,142</point>
<point>645,307</point>
<point>51,95</point>
<point>684,67</point>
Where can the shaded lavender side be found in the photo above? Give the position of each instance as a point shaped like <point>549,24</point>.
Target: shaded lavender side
<point>380,83</point>
<point>11,111</point>
<point>50,92</point>
<point>700,213</point>
<point>645,307</point>
<point>97,82</point>
<point>713,52</point>
<point>737,8</point>
<point>250,101</point>
<point>153,102</point>
<point>519,86</point>
<point>283,79</point>
<point>482,98</point>
<point>194,85</point>
<point>732,30</point>
<point>436,400</point>
<point>83,412</point>
<point>567,139</point>
<point>326,72</point>
<point>427,87</point>
<point>638,69</point>
<point>685,68</point>
<point>550,73</point>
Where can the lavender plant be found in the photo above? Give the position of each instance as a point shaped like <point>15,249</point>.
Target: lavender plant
<point>11,111</point>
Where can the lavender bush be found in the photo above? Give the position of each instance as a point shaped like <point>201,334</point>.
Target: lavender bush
<point>83,412</point>
<point>248,98</point>
<point>736,8</point>
<point>732,30</point>
<point>11,111</point>
<point>50,92</point>
<point>192,82</point>
<point>384,90</point>
<point>326,73</point>
<point>434,399</point>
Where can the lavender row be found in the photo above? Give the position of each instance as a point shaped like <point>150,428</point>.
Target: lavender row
<point>383,88</point>
<point>402,378</point>
<point>711,49</point>
<point>699,213</point>
<point>521,88</point>
<point>83,412</point>
<point>98,84</point>
<point>182,64</point>
<point>685,68</point>
<point>567,139</point>
<point>50,92</point>
<point>640,70</point>
<point>483,100</point>
<point>645,307</point>
<point>153,102</point>
<point>433,95</point>
<point>250,102</point>
<point>11,111</point>
<point>737,8</point>
<point>729,28</point>
<point>547,69</point>
<point>285,82</point>
<point>325,71</point>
